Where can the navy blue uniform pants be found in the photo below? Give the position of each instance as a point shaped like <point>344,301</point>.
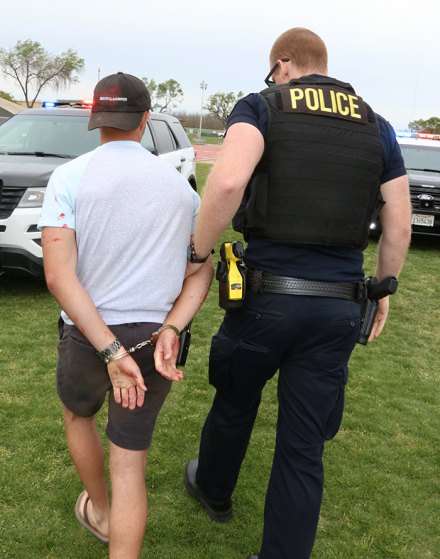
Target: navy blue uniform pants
<point>309,340</point>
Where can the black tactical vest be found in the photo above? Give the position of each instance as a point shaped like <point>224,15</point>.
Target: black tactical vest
<point>319,178</point>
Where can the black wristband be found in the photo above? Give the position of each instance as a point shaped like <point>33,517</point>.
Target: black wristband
<point>192,256</point>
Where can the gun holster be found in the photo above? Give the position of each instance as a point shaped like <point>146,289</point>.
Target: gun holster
<point>373,291</point>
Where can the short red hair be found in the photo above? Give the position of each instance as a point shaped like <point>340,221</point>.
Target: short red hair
<point>303,48</point>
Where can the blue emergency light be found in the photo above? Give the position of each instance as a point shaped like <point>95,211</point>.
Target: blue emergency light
<point>406,134</point>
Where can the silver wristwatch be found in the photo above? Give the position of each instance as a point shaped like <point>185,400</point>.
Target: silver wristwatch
<point>107,353</point>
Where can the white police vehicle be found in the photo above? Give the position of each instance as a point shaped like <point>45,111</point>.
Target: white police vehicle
<point>421,154</point>
<point>33,143</point>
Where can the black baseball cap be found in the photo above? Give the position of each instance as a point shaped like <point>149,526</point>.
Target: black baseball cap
<point>119,101</point>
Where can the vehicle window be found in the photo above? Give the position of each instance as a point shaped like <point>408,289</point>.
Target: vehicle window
<point>180,134</point>
<point>13,134</point>
<point>421,157</point>
<point>164,137</point>
<point>66,135</point>
<point>147,140</point>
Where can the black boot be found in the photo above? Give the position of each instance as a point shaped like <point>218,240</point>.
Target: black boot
<point>218,511</point>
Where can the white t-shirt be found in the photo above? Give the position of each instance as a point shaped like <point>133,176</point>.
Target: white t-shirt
<point>133,215</point>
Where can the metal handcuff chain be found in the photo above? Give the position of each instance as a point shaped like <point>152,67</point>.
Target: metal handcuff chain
<point>131,350</point>
<point>151,341</point>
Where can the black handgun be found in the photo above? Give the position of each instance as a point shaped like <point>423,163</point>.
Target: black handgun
<point>184,342</point>
<point>374,290</point>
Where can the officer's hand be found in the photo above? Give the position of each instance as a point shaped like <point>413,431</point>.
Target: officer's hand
<point>381,317</point>
<point>128,384</point>
<point>165,355</point>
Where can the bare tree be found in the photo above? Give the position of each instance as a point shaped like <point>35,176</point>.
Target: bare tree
<point>34,68</point>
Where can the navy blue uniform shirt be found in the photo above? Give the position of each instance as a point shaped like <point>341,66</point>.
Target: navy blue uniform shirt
<point>310,262</point>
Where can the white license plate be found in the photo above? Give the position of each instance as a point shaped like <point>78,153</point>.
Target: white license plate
<point>422,219</point>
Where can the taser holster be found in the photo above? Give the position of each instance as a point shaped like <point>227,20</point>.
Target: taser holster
<point>231,275</point>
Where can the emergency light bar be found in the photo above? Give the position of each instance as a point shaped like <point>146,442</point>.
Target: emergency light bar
<point>419,135</point>
<point>428,136</point>
<point>84,103</point>
<point>404,134</point>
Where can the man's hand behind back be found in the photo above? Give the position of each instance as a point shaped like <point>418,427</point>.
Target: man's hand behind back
<point>165,356</point>
<point>128,384</point>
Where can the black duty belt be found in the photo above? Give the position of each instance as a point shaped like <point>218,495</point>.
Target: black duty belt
<point>264,282</point>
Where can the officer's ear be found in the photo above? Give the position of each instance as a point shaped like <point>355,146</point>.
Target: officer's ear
<point>283,73</point>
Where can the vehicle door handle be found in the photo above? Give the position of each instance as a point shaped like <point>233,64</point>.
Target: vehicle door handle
<point>182,159</point>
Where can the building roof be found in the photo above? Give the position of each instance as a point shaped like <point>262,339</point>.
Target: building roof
<point>8,108</point>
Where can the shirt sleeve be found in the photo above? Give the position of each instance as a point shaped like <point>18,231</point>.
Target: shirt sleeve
<point>59,201</point>
<point>196,208</point>
<point>394,165</point>
<point>58,208</point>
<point>253,110</point>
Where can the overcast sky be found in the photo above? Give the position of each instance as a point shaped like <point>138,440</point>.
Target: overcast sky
<point>389,50</point>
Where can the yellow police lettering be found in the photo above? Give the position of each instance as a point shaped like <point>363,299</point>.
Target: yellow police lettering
<point>312,101</point>
<point>333,101</point>
<point>353,106</point>
<point>342,109</point>
<point>296,94</point>
<point>324,101</point>
<point>324,108</point>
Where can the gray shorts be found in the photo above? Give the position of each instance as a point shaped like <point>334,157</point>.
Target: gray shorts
<point>83,382</point>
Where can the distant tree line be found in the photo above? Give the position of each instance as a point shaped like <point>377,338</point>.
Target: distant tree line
<point>192,120</point>
<point>7,96</point>
<point>167,95</point>
<point>34,68</point>
<point>430,126</point>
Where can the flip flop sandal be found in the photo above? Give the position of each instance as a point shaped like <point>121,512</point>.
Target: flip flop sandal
<point>83,519</point>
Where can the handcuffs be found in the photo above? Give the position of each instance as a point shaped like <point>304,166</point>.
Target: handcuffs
<point>109,353</point>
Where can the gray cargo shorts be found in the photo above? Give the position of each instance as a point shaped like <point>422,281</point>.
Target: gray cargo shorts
<point>83,383</point>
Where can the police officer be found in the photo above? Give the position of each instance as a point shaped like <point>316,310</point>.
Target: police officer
<point>305,163</point>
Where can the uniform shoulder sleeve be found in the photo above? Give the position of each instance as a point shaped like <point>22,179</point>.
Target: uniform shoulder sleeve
<point>59,201</point>
<point>394,165</point>
<point>253,110</point>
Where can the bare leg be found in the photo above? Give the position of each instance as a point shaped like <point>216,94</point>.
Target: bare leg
<point>128,516</point>
<point>87,453</point>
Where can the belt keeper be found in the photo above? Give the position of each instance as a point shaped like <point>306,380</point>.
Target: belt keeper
<point>257,281</point>
<point>361,291</point>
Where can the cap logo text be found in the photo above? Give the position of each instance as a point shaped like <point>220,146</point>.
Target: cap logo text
<point>113,99</point>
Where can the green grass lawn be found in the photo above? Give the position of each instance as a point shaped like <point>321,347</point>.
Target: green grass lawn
<point>382,490</point>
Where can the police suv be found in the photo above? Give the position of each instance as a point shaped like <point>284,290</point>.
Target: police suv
<point>421,154</point>
<point>33,143</point>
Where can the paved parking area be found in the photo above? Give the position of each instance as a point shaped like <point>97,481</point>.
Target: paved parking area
<point>207,153</point>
